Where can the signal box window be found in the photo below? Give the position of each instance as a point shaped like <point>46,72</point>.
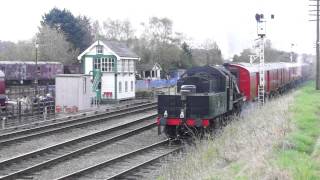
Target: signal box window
<point>126,86</point>
<point>99,49</point>
<point>120,87</point>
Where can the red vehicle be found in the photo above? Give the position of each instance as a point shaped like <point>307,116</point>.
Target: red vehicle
<point>278,77</point>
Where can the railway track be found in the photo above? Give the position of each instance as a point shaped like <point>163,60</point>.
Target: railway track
<point>38,118</point>
<point>26,164</point>
<point>122,165</point>
<point>23,135</point>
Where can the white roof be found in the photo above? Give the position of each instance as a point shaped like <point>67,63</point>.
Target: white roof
<point>268,66</point>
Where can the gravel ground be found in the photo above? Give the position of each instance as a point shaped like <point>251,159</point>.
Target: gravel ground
<point>70,148</point>
<point>100,155</point>
<point>12,150</point>
<point>118,167</point>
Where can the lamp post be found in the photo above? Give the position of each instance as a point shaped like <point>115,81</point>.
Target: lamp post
<point>36,78</point>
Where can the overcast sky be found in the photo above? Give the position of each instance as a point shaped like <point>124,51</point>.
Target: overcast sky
<point>230,23</point>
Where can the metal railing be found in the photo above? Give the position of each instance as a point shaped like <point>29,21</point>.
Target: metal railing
<point>20,112</point>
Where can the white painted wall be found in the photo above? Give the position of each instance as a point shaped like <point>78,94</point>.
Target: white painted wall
<point>123,78</point>
<point>107,84</point>
<point>73,90</point>
<point>88,65</point>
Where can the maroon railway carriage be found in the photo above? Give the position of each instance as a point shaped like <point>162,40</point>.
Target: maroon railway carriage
<point>278,77</point>
<point>2,89</point>
<point>18,72</point>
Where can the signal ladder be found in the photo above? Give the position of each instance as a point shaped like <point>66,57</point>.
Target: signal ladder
<point>261,88</point>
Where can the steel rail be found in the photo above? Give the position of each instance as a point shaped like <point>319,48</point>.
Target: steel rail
<point>63,123</point>
<point>52,128</point>
<point>114,160</point>
<point>16,123</point>
<point>76,152</point>
<point>145,163</point>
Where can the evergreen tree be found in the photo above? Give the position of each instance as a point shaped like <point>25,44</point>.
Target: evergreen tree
<point>76,29</point>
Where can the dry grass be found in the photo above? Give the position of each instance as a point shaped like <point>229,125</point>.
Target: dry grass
<point>243,150</point>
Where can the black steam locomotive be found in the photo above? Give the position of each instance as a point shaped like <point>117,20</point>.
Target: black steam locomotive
<point>204,96</point>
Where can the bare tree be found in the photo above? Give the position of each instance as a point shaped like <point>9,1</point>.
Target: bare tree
<point>54,47</point>
<point>97,31</point>
<point>21,51</point>
<point>118,30</point>
<point>158,30</point>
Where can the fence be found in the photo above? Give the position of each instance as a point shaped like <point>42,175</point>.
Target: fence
<point>143,85</point>
<point>14,92</point>
<point>21,112</point>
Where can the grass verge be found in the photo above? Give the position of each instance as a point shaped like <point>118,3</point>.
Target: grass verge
<point>302,157</point>
<point>242,150</point>
<point>277,141</point>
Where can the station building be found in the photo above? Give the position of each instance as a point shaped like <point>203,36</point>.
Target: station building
<point>112,66</point>
<point>149,71</point>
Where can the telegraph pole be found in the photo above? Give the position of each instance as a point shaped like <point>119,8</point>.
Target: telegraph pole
<point>317,44</point>
<point>317,50</point>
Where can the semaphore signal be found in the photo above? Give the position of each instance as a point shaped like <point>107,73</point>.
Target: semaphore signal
<point>261,31</point>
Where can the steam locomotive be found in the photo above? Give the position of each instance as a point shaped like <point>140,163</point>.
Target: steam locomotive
<point>206,95</point>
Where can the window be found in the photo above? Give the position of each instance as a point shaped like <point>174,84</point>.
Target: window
<point>120,87</point>
<point>122,64</point>
<point>99,49</point>
<point>103,64</point>
<point>107,64</point>
<point>128,65</point>
<point>131,66</point>
<point>112,64</point>
<point>84,85</point>
<point>126,86</point>
<point>131,86</point>
<point>97,63</point>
